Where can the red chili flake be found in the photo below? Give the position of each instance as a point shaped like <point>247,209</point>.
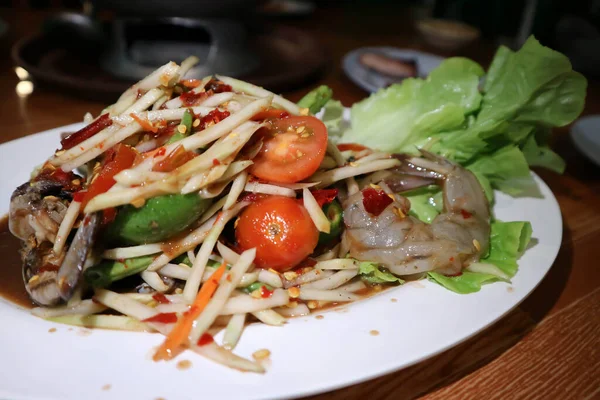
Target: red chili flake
<point>205,339</point>
<point>216,162</point>
<point>465,214</point>
<point>451,259</point>
<point>228,278</point>
<point>375,201</point>
<point>215,116</point>
<point>163,318</point>
<point>217,86</point>
<point>324,196</point>
<point>265,293</point>
<point>160,152</point>
<point>108,215</point>
<point>190,99</point>
<point>87,132</point>
<point>351,147</point>
<point>161,298</point>
<point>78,197</point>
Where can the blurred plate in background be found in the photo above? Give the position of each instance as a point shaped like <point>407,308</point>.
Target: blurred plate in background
<point>585,136</point>
<point>392,60</point>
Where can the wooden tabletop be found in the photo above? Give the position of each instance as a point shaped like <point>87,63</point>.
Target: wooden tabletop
<point>547,348</point>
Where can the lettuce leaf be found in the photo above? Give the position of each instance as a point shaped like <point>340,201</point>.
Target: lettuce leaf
<point>404,115</point>
<point>467,282</point>
<point>508,240</point>
<point>498,132</point>
<point>373,273</point>
<point>535,84</point>
<point>507,170</point>
<point>333,118</point>
<point>425,203</point>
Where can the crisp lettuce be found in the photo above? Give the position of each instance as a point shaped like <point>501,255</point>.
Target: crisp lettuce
<point>497,132</point>
<point>506,170</point>
<point>374,273</point>
<point>333,118</point>
<point>467,282</point>
<point>403,116</point>
<point>425,203</point>
<point>508,240</point>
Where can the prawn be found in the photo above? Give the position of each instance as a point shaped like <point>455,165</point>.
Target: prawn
<point>405,245</point>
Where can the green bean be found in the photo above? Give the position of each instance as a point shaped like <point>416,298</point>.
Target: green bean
<point>186,121</point>
<point>109,271</point>
<point>316,99</point>
<point>334,213</point>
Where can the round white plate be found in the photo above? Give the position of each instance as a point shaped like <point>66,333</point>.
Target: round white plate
<point>372,81</point>
<point>308,355</point>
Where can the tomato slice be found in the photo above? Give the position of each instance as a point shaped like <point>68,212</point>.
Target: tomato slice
<point>293,148</point>
<point>117,159</point>
<point>352,147</point>
<point>280,229</point>
<point>270,113</point>
<point>174,159</point>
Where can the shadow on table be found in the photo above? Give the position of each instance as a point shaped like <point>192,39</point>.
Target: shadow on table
<point>545,296</point>
<point>458,362</point>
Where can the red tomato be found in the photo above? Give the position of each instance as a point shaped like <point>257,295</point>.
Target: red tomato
<point>375,201</point>
<point>293,150</point>
<point>117,159</point>
<point>280,229</point>
<point>174,159</point>
<point>352,147</point>
<point>270,113</point>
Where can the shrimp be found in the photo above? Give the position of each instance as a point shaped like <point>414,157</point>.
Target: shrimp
<point>405,245</point>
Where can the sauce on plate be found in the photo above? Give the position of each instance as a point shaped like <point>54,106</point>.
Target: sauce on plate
<point>11,277</point>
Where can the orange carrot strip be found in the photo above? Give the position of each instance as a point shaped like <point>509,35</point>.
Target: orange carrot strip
<point>145,124</point>
<point>178,336</point>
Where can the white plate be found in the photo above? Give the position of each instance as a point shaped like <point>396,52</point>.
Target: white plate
<point>309,355</point>
<point>372,81</point>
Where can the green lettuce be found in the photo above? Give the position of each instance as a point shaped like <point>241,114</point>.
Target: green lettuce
<point>508,240</point>
<point>403,116</point>
<point>498,132</point>
<point>333,118</point>
<point>374,273</point>
<point>425,203</point>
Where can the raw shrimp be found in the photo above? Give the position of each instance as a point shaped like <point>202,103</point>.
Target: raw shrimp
<point>406,245</point>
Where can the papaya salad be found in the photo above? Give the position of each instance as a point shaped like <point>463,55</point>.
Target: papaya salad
<point>192,207</point>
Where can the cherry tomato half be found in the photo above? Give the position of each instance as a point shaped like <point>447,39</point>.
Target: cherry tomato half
<point>117,159</point>
<point>280,229</point>
<point>293,149</point>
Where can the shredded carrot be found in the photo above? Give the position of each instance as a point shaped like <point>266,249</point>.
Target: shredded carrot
<point>145,124</point>
<point>178,336</point>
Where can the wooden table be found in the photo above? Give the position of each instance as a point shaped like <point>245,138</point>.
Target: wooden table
<point>547,348</point>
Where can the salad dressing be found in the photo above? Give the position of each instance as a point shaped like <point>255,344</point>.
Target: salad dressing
<point>11,277</point>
